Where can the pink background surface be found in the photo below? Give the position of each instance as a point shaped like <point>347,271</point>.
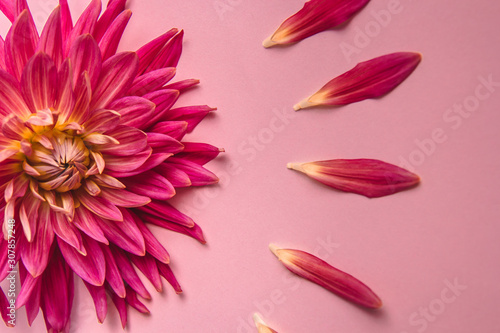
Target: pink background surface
<point>408,247</point>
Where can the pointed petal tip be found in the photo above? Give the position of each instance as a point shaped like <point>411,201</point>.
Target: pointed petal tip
<point>295,166</point>
<point>304,104</point>
<point>274,249</point>
<point>257,319</point>
<point>268,43</point>
<point>222,150</point>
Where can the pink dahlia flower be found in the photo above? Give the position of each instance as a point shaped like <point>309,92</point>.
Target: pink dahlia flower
<point>90,152</point>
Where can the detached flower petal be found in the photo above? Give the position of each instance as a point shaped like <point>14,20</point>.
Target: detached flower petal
<point>261,325</point>
<point>314,17</point>
<point>320,272</point>
<point>371,178</point>
<point>370,79</point>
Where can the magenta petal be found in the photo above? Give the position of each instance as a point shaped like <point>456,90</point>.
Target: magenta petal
<point>174,175</point>
<point>162,143</point>
<point>117,75</point>
<point>66,96</point>
<point>320,272</point>
<point>109,42</point>
<point>198,175</point>
<point>67,232</point>
<point>183,85</point>
<point>87,222</point>
<point>153,246</point>
<point>164,100</point>
<point>371,178</point>
<point>98,294</point>
<point>167,273</point>
<point>112,11</point>
<point>2,54</point>
<point>35,255</point>
<point>128,272</point>
<point>102,121</point>
<point>120,166</point>
<point>151,185</point>
<point>170,54</point>
<point>151,163</point>
<point>199,153</point>
<point>51,40</point>
<point>166,211</point>
<point>20,44</point>
<point>147,265</point>
<point>29,286</point>
<point>91,267</point>
<point>370,79</point>
<point>39,83</point>
<point>193,231</point>
<point>121,306</point>
<point>66,21</point>
<point>7,8</point>
<point>132,141</point>
<point>135,111</point>
<point>11,100</point>
<point>125,234</point>
<point>100,206</point>
<point>193,115</point>
<point>124,198</point>
<point>57,295</point>
<point>174,129</point>
<point>85,56</point>
<point>151,81</point>
<point>134,302</point>
<point>113,276</point>
<point>149,52</point>
<point>314,17</point>
<point>86,23</point>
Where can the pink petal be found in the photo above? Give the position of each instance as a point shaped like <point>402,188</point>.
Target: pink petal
<point>170,54</point>
<point>198,175</point>
<point>121,306</point>
<point>162,143</point>
<point>100,206</point>
<point>117,75</point>
<point>20,44</point>
<point>91,267</point>
<point>149,52</point>
<point>371,178</point>
<point>98,294</point>
<point>183,85</point>
<point>86,23</point>
<point>320,272</point>
<point>39,83</point>
<point>151,81</point>
<point>102,121</point>
<point>2,52</point>
<point>147,265</point>
<point>370,79</point>
<point>57,294</point>
<point>166,211</point>
<point>174,175</point>
<point>151,185</point>
<point>68,233</point>
<point>120,166</point>
<point>83,94</point>
<point>112,11</point>
<point>85,56</point>
<point>174,129</point>
<point>124,198</point>
<point>164,100</point>
<point>111,39</point>
<point>128,273</point>
<point>28,214</point>
<point>125,234</point>
<point>261,325</point>
<point>7,7</point>
<point>29,286</point>
<point>135,111</point>
<point>314,17</point>
<point>32,303</point>
<point>167,273</point>
<point>153,246</point>
<point>66,97</point>
<point>66,21</point>
<point>132,141</point>
<point>194,231</point>
<point>193,115</point>
<point>134,302</point>
<point>11,100</point>
<point>113,276</point>
<point>108,181</point>
<point>86,222</point>
<point>51,40</point>
<point>199,153</point>
<point>151,162</point>
<point>4,305</point>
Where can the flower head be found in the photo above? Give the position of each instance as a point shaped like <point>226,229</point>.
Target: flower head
<point>90,151</point>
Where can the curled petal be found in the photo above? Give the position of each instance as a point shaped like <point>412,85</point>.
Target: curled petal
<point>261,325</point>
<point>320,272</point>
<point>371,178</point>
<point>370,79</point>
<point>135,111</point>
<point>314,17</point>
